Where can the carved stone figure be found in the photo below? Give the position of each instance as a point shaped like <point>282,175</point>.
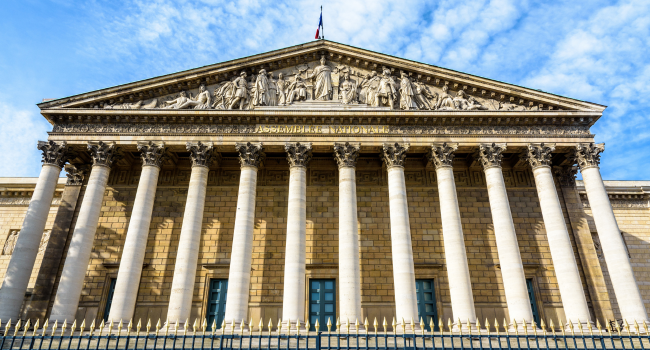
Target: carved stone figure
<point>423,96</point>
<point>297,91</point>
<point>183,102</point>
<point>203,99</point>
<point>272,96</point>
<point>369,86</point>
<point>323,84</point>
<point>386,91</point>
<point>406,100</point>
<point>466,102</point>
<point>44,240</point>
<point>241,91</point>
<point>260,97</point>
<point>10,243</point>
<point>282,86</point>
<point>446,102</point>
<point>347,90</point>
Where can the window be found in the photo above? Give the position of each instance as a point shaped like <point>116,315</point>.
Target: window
<point>426,302</point>
<point>322,302</point>
<point>533,302</point>
<point>109,298</point>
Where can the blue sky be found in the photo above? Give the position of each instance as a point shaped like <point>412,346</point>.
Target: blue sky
<point>598,51</point>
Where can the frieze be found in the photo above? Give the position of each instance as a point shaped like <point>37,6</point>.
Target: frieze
<point>156,129</point>
<point>22,201</point>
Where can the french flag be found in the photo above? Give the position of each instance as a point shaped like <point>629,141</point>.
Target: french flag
<point>320,25</point>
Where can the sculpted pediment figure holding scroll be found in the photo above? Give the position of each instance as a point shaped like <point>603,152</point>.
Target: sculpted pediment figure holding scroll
<point>297,91</point>
<point>261,98</point>
<point>347,90</point>
<point>406,94</point>
<point>323,84</point>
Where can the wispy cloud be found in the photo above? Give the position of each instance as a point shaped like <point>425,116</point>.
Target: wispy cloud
<point>18,138</point>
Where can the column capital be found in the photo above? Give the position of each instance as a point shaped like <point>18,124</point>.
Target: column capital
<point>490,155</point>
<point>75,174</point>
<point>566,175</point>
<point>103,153</point>
<point>298,154</point>
<point>442,154</point>
<point>152,154</point>
<point>250,154</point>
<point>55,153</point>
<point>394,155</point>
<point>346,154</point>
<point>202,154</point>
<point>587,155</point>
<point>538,154</point>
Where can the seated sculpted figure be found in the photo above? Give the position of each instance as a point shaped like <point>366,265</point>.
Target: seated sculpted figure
<point>347,90</point>
<point>297,91</point>
<point>468,103</point>
<point>446,102</point>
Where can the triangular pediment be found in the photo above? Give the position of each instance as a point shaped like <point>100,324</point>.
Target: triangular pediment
<point>351,79</point>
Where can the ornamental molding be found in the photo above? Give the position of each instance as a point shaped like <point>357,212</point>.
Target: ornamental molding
<point>632,201</point>
<point>490,155</point>
<point>201,154</point>
<point>76,174</point>
<point>442,154</point>
<point>211,129</point>
<point>250,154</point>
<point>394,154</point>
<point>346,154</point>
<point>587,155</point>
<point>104,153</point>
<point>538,155</point>
<point>23,201</point>
<point>298,154</point>
<point>327,71</point>
<point>54,153</point>
<point>151,153</point>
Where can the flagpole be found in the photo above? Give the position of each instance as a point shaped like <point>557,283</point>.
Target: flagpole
<point>322,25</point>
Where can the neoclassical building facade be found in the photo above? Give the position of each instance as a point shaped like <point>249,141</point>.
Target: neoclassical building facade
<point>323,182</point>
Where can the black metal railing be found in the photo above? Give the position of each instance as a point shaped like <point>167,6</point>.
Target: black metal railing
<point>349,337</point>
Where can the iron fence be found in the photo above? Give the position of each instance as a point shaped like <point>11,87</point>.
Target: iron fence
<point>345,337</point>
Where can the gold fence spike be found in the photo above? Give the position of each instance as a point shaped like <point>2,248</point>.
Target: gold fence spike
<point>534,326</point>
<point>223,327</point>
<point>35,327</point>
<point>329,324</point>
<point>195,325</point>
<point>26,327</point>
<point>65,325</point>
<point>297,326</point>
<point>626,326</point>
<point>101,327</point>
<point>552,326</point>
<point>469,327</point>
<point>241,326</point>
<point>385,325</point>
<point>543,325</point>
<point>157,326</point>
<point>449,324</point>
<point>148,325</point>
<point>432,325</point>
<point>129,327</point>
<point>72,329</point>
<point>185,326</point>
<point>496,325</point>
<point>251,325</point>
<point>7,326</point>
<point>516,326</point>
<point>366,324</point>
<point>636,326</point>
<point>260,326</point>
<point>92,327</point>
<point>570,326</point>
<point>412,326</point>
<point>55,326</point>
<point>589,326</point>
<point>270,325</point>
<point>394,324</point>
<point>204,325</point>
<point>17,328</point>
<point>375,324</point>
<point>645,327</point>
<point>505,325</point>
<point>598,326</point>
<point>45,325</point>
<point>356,325</point>
<point>317,326</point>
<point>307,326</point>
<point>618,327</point>
<point>347,325</point>
<point>280,325</point>
<point>525,327</point>
<point>422,325</point>
<point>441,326</point>
<point>580,327</point>
<point>487,326</point>
<point>138,327</point>
<point>214,326</point>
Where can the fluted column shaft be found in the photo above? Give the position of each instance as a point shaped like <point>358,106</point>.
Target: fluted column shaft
<point>23,257</point>
<point>620,269</point>
<point>25,250</point>
<point>349,269</point>
<point>400,235</point>
<point>512,269</point>
<point>135,244</point>
<point>180,299</point>
<point>241,256</point>
<point>77,258</point>
<point>573,297</point>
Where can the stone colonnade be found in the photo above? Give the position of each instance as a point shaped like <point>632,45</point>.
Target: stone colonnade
<point>299,154</point>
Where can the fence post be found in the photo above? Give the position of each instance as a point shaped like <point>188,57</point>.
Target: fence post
<point>317,341</point>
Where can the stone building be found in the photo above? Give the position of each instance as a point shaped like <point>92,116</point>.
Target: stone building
<point>317,182</point>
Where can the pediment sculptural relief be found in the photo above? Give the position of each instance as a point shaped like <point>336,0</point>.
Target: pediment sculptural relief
<point>324,82</point>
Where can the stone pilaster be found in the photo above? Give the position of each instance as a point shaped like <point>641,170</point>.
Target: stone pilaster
<point>573,297</point>
<point>251,156</point>
<point>589,261</point>
<point>512,270</point>
<point>346,155</point>
<point>293,306</point>
<point>135,243</point>
<point>180,300</point>
<point>81,243</point>
<point>460,285</point>
<point>394,156</point>
<point>19,270</point>
<point>620,269</point>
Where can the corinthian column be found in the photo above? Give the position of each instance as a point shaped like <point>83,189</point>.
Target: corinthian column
<point>512,269</point>
<point>621,273</point>
<point>180,300</point>
<point>83,236</point>
<point>406,307</point>
<point>559,242</point>
<point>135,244</point>
<point>19,270</point>
<point>346,155</point>
<point>251,156</point>
<point>293,299</point>
<point>460,285</point>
